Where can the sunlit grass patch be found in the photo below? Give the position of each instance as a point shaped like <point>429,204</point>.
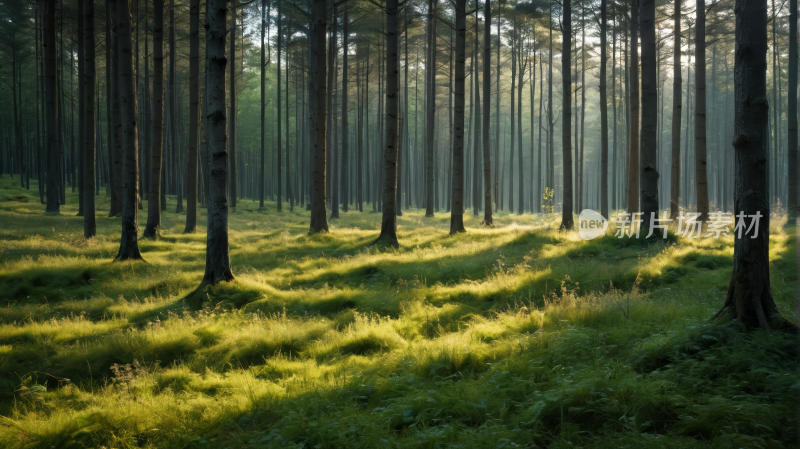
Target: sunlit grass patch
<point>515,336</point>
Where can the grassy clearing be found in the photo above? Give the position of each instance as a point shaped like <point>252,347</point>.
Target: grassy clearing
<point>509,337</point>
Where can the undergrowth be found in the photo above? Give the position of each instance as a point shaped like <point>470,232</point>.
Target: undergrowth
<point>518,336</point>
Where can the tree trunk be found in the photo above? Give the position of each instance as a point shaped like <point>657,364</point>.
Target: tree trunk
<point>792,112</point>
<point>633,142</point>
<point>566,116</point>
<point>749,298</point>
<point>218,256</point>
<point>487,99</point>
<point>700,111</point>
<point>129,244</point>
<point>457,211</point>
<point>649,163</point>
<point>263,46</point>
<point>603,113</point>
<point>53,139</point>
<point>430,104</point>
<point>194,115</point>
<point>156,152</point>
<point>234,191</point>
<point>345,122</point>
<point>89,226</point>
<point>81,107</point>
<point>677,109</point>
<point>388,234</point>
<point>514,45</point>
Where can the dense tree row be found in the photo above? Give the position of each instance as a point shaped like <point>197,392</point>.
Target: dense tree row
<point>338,105</point>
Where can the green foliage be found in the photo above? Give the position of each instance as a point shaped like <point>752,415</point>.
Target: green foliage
<point>516,336</point>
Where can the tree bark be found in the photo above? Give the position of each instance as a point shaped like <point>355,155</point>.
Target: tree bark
<point>430,104</point>
<point>457,210</point>
<point>567,221</point>
<point>89,225</point>
<point>234,191</point>
<point>603,112</point>
<point>749,298</point>
<point>156,152</point>
<point>487,99</point>
<point>129,243</point>
<point>649,161</point>
<point>218,256</point>
<point>633,142</point>
<point>53,140</point>
<point>792,112</point>
<point>700,111</point>
<point>194,115</point>
<point>388,234</point>
<point>677,109</point>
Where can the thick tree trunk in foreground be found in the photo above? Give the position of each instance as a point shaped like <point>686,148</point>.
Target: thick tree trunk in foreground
<point>457,210</point>
<point>677,108</point>
<point>389,219</point>
<point>700,111</point>
<point>319,221</point>
<point>649,151</point>
<point>194,115</point>
<point>567,221</point>
<point>218,256</point>
<point>156,152</point>
<point>749,298</point>
<point>89,225</point>
<point>53,140</point>
<point>487,100</point>
<point>129,244</point>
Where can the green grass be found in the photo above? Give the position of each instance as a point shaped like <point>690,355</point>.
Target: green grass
<point>497,338</point>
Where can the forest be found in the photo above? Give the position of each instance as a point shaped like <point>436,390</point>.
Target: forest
<point>399,223</point>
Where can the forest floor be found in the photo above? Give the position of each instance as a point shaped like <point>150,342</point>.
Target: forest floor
<point>517,336</point>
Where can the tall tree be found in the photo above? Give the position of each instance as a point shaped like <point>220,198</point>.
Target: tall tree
<point>567,221</point>
<point>487,97</point>
<point>156,152</point>
<point>319,222</point>
<point>603,112</point>
<point>430,105</point>
<point>264,44</point>
<point>700,111</point>
<point>677,108</point>
<point>218,255</point>
<point>194,115</point>
<point>53,139</point>
<point>89,224</point>
<point>129,243</point>
<point>234,191</point>
<point>749,299</point>
<point>792,110</point>
<point>649,162</point>
<point>457,211</point>
<point>388,234</point>
<point>633,141</point>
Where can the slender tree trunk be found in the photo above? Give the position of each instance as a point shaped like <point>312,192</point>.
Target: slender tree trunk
<point>603,112</point>
<point>156,153</point>
<point>89,226</point>
<point>81,107</point>
<point>749,298</point>
<point>513,136</point>
<point>633,142</point>
<point>194,115</point>
<point>234,191</point>
<point>700,111</point>
<point>649,162</point>
<point>457,210</point>
<point>53,138</point>
<point>129,244</point>
<point>388,234</point>
<point>792,112</point>
<point>218,256</point>
<point>430,104</point>
<point>263,46</point>
<point>677,109</point>
<point>345,116</point>
<point>521,186</point>
<point>566,116</point>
